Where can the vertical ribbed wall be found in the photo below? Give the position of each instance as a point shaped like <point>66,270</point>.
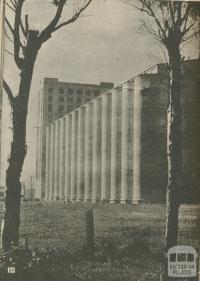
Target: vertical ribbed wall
<point>51,159</point>
<point>97,128</point>
<point>114,148</point>
<point>116,140</point>
<point>90,151</point>
<point>74,154</point>
<point>127,138</point>
<point>81,155</point>
<point>62,159</point>
<point>47,175</point>
<point>106,146</point>
<point>56,160</point>
<point>68,155</point>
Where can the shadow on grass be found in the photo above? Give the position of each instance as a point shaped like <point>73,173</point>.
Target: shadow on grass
<point>124,255</point>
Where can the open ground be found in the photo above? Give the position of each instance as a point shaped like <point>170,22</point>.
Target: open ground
<point>129,240</point>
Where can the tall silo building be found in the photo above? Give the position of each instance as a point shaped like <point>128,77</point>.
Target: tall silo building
<point>55,99</point>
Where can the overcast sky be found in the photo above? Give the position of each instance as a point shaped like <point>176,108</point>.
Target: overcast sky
<point>104,45</point>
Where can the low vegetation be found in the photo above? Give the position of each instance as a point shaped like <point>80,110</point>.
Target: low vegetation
<point>129,242</point>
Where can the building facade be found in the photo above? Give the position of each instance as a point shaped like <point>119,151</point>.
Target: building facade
<point>56,99</point>
<point>114,148</point>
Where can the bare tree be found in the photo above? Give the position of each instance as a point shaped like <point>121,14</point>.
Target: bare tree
<point>195,13</point>
<point>27,42</point>
<point>172,24</point>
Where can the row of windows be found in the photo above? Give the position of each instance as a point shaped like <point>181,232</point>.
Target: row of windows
<point>69,99</point>
<point>61,111</point>
<point>50,90</point>
<point>61,108</point>
<point>72,91</point>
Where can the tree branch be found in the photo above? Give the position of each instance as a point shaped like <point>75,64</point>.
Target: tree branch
<point>75,17</point>
<point>9,92</point>
<point>16,35</point>
<point>188,38</point>
<point>10,7</point>
<point>12,32</point>
<point>185,21</point>
<point>46,33</point>
<point>8,37</point>
<point>187,29</point>
<point>52,27</point>
<point>178,22</point>
<point>151,31</point>
<point>9,26</point>
<point>26,24</point>
<point>187,12</point>
<point>171,10</point>
<point>152,14</point>
<point>23,29</point>
<point>14,3</point>
<point>7,51</point>
<point>21,24</point>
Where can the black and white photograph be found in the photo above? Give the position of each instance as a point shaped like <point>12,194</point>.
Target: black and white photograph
<point>99,140</point>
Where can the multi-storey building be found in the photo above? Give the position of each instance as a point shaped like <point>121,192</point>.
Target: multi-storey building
<point>56,99</point>
<point>114,148</point>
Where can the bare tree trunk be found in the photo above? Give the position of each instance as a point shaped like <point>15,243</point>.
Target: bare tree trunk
<point>174,148</point>
<point>10,234</point>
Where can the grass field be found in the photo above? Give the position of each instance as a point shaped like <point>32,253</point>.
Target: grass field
<point>129,240</point>
<point>63,224</point>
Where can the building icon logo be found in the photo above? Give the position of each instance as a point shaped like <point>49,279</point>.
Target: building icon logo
<point>182,262</point>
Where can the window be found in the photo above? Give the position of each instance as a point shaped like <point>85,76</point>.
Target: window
<point>61,108</point>
<point>50,118</point>
<point>88,93</point>
<point>50,108</point>
<point>50,98</point>
<point>70,99</point>
<point>69,108</point>
<point>61,99</point>
<point>79,92</point>
<point>96,93</point>
<point>78,100</point>
<point>61,90</point>
<point>50,89</point>
<point>70,92</point>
